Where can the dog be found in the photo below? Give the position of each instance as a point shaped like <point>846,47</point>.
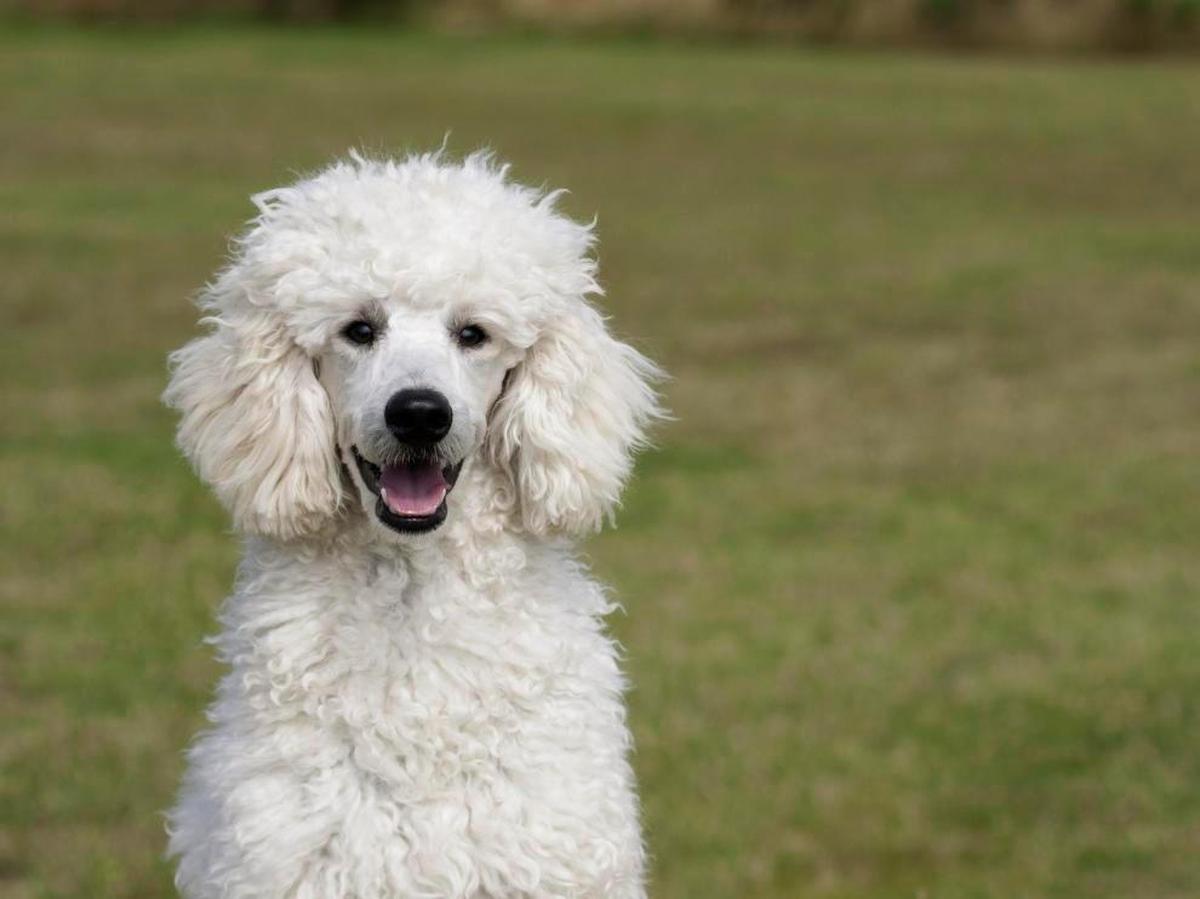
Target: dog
<point>411,410</point>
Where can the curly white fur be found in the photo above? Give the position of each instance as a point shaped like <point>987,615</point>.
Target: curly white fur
<point>433,715</point>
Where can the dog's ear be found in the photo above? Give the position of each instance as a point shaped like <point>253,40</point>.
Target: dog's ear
<point>571,415</point>
<point>256,424</point>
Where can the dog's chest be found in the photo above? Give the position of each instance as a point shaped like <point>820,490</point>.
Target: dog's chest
<point>480,733</point>
<point>430,685</point>
<point>387,739</point>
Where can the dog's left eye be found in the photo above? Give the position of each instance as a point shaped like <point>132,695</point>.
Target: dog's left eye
<point>470,335</point>
<point>360,332</point>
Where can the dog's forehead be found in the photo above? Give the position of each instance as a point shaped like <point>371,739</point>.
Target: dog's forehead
<point>423,254</point>
<point>420,234</point>
<point>432,223</point>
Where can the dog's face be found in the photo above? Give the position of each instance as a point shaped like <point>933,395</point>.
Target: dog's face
<point>411,387</point>
<point>399,321</point>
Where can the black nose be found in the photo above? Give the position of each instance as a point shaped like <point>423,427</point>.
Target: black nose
<point>418,417</point>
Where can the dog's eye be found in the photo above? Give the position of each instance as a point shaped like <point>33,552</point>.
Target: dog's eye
<point>471,335</point>
<point>360,332</point>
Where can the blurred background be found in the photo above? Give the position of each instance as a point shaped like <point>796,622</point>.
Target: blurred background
<point>913,580</point>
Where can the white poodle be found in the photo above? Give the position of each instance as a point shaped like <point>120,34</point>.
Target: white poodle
<point>409,408</point>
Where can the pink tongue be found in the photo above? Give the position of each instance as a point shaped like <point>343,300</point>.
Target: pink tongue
<point>412,490</point>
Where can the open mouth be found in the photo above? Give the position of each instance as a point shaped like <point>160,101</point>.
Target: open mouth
<point>409,496</point>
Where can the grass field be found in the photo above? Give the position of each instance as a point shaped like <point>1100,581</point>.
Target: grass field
<point>913,582</point>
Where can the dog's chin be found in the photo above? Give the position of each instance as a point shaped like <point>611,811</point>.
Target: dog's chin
<point>409,497</point>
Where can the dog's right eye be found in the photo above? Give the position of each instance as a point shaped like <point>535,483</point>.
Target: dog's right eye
<point>359,332</point>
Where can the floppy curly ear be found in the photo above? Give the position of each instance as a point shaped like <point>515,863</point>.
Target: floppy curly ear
<point>257,426</point>
<point>572,414</point>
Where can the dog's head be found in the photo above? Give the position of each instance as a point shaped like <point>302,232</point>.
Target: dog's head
<point>386,323</point>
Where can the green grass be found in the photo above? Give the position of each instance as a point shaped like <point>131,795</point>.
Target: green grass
<point>913,580</point>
